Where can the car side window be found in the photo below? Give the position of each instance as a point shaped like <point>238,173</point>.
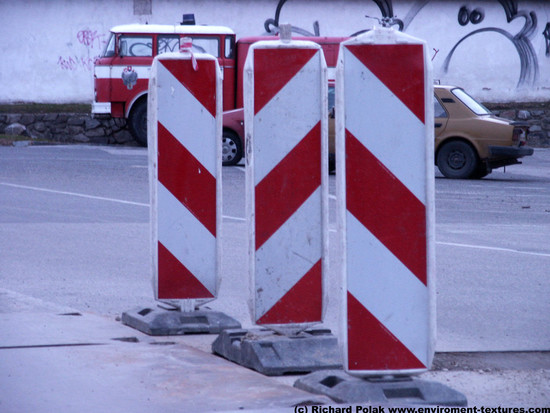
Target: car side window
<point>439,110</point>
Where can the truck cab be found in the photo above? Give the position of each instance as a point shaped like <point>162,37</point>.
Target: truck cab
<point>121,74</point>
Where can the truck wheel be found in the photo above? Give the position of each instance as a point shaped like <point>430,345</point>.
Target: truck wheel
<point>232,148</point>
<point>457,160</point>
<point>138,122</point>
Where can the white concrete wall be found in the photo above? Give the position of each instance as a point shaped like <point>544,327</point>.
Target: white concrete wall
<point>48,47</point>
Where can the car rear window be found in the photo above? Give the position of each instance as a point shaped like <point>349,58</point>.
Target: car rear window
<point>470,102</point>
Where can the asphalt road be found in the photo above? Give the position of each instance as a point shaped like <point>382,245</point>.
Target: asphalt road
<point>74,230</point>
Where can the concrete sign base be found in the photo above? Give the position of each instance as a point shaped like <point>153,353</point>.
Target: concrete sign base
<point>162,322</point>
<point>343,388</point>
<point>274,354</point>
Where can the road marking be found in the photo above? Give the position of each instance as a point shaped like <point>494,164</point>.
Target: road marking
<point>454,244</point>
<point>527,188</point>
<point>126,151</point>
<point>234,218</point>
<point>120,201</point>
<point>510,196</point>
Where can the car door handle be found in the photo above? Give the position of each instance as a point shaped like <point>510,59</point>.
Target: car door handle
<point>438,125</point>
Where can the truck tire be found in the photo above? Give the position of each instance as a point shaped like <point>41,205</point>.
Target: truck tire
<point>457,160</point>
<point>232,148</point>
<point>137,122</point>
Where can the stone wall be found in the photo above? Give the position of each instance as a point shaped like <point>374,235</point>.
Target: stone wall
<point>82,128</point>
<point>66,128</point>
<point>536,114</point>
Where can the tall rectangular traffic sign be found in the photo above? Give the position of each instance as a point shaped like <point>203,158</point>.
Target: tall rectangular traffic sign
<point>184,132</point>
<point>286,122</point>
<point>385,190</point>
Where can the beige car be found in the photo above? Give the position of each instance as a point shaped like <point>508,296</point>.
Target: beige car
<point>470,141</point>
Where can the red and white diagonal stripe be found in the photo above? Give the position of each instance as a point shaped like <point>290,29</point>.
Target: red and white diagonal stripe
<point>385,180</point>
<point>184,130</point>
<point>286,130</point>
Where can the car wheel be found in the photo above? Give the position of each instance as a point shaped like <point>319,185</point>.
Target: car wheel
<point>481,172</point>
<point>457,160</point>
<point>232,148</point>
<point>138,122</point>
<point>331,164</point>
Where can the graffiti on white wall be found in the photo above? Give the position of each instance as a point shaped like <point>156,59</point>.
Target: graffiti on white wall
<point>468,17</point>
<point>546,34</point>
<point>271,25</point>
<point>499,50</point>
<point>529,67</point>
<point>91,44</point>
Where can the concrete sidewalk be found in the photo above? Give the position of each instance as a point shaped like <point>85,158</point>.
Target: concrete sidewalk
<point>54,359</point>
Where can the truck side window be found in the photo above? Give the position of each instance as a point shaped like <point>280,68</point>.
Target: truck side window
<point>229,47</point>
<point>210,45</point>
<point>138,46</point>
<point>168,43</point>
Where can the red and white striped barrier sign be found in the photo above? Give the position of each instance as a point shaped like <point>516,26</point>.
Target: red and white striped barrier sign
<point>184,129</point>
<point>385,190</point>
<point>285,108</point>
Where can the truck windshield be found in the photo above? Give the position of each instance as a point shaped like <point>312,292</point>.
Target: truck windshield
<point>110,47</point>
<point>472,104</point>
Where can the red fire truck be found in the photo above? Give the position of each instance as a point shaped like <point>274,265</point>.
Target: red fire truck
<point>121,74</point>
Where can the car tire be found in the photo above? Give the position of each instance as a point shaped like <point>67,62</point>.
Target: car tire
<point>232,148</point>
<point>331,164</point>
<point>457,160</point>
<point>481,172</point>
<point>137,122</point>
